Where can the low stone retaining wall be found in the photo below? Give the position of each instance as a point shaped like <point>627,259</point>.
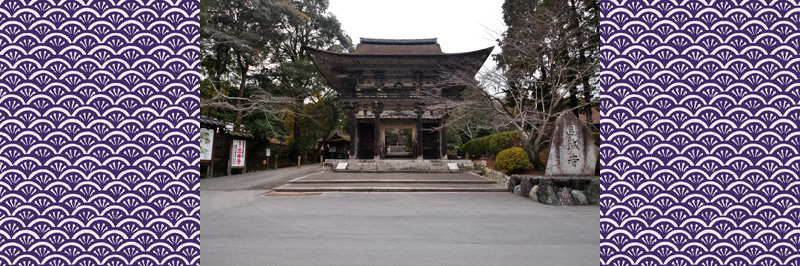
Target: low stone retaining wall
<point>498,177</point>
<point>550,190</point>
<point>558,190</point>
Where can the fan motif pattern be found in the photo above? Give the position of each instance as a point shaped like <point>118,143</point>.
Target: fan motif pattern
<point>700,112</point>
<point>98,133</point>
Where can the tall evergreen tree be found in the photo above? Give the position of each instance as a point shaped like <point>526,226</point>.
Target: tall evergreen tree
<point>257,73</point>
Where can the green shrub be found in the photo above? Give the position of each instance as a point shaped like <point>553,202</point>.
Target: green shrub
<point>513,159</point>
<point>479,147</point>
<point>491,145</point>
<point>501,141</point>
<point>474,147</point>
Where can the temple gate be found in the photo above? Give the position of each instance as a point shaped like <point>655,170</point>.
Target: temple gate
<point>397,84</point>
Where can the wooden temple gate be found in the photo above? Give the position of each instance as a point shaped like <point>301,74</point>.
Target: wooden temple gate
<point>397,83</point>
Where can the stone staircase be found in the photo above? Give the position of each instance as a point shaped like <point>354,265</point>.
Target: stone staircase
<point>390,182</point>
<point>398,165</point>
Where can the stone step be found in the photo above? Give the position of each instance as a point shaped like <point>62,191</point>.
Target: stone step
<point>372,184</point>
<point>396,171</point>
<point>391,176</point>
<point>398,181</point>
<point>388,189</point>
<point>407,166</point>
<point>391,182</point>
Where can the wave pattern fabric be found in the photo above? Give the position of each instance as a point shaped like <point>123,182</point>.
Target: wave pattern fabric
<point>98,133</point>
<point>701,107</point>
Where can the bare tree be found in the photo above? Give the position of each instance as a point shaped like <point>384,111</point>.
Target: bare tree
<point>259,102</point>
<point>235,37</point>
<point>543,64</point>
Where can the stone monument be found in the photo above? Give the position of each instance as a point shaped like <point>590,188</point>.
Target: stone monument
<point>572,149</point>
<point>571,165</point>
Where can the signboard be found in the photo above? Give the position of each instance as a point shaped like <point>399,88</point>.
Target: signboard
<point>268,152</point>
<point>206,144</point>
<point>238,153</point>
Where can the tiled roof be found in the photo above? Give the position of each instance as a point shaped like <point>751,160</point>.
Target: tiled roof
<point>210,121</point>
<point>398,41</point>
<point>240,134</point>
<point>369,46</point>
<point>340,136</point>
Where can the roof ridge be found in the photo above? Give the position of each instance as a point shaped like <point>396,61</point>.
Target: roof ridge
<point>398,41</point>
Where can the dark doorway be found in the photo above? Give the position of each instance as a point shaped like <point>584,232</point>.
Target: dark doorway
<point>430,142</point>
<point>366,137</point>
<point>398,143</point>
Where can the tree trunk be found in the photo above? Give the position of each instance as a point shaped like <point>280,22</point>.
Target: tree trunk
<point>320,149</point>
<point>298,110</point>
<point>531,155</point>
<point>535,147</point>
<point>278,156</point>
<point>587,98</point>
<point>242,85</point>
<point>573,100</point>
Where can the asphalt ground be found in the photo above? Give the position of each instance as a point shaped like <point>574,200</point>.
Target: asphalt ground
<point>244,226</point>
<point>261,180</point>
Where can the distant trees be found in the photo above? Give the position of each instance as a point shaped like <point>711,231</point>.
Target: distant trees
<point>257,74</point>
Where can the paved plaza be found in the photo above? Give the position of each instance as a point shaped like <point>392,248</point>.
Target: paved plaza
<point>262,180</point>
<point>248,227</point>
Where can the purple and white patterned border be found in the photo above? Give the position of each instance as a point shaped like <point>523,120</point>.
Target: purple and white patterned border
<point>98,155</point>
<point>98,133</point>
<point>701,109</point>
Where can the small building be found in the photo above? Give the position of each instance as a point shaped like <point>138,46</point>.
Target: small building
<point>338,146</point>
<point>211,146</point>
<point>217,144</point>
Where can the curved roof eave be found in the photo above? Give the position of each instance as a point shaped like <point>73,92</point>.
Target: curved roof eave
<point>486,51</point>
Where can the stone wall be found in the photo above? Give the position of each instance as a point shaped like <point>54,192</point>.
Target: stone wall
<point>480,166</point>
<point>498,177</point>
<point>559,190</point>
<point>555,190</point>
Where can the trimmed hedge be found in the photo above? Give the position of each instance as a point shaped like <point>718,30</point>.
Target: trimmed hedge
<point>501,141</point>
<point>491,145</point>
<point>513,160</point>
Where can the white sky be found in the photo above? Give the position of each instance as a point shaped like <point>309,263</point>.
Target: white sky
<point>460,26</point>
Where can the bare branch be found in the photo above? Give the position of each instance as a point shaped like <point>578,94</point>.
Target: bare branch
<point>258,102</point>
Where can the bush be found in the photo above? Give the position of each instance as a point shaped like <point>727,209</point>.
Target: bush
<point>475,147</point>
<point>491,145</point>
<point>513,160</point>
<point>501,141</point>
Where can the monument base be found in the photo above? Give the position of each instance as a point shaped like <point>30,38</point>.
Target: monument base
<point>558,190</point>
<point>573,182</point>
